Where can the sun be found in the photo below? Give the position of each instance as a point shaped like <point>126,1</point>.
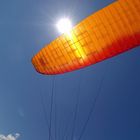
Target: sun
<point>64,25</point>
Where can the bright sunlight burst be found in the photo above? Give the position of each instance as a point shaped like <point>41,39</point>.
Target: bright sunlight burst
<point>64,25</point>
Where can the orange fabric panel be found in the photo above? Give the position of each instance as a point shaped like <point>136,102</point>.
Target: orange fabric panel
<point>104,34</point>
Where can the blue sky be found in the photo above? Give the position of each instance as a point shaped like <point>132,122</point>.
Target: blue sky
<point>25,26</point>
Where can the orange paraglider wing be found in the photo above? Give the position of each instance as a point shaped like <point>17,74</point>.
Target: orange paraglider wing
<point>104,34</point>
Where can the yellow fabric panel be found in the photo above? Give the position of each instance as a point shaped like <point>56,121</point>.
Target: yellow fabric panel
<point>106,33</point>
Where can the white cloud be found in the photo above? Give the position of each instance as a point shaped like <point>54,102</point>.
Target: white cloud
<point>9,137</point>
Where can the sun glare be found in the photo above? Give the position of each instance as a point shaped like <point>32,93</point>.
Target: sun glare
<point>64,25</point>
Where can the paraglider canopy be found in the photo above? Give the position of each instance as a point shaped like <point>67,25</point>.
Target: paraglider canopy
<point>104,34</point>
